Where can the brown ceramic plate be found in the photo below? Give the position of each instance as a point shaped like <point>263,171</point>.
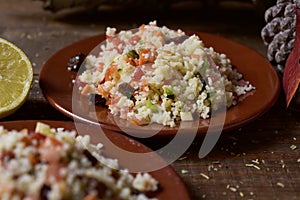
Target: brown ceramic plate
<point>168,180</point>
<point>56,84</point>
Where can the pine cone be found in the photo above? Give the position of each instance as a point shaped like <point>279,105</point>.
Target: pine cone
<point>279,32</point>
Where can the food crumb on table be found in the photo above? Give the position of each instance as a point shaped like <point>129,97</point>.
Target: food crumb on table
<point>252,165</point>
<point>233,189</point>
<point>205,176</point>
<point>279,184</point>
<point>293,147</point>
<point>241,194</point>
<point>256,161</point>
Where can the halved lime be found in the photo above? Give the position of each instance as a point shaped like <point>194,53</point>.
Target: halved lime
<point>15,77</point>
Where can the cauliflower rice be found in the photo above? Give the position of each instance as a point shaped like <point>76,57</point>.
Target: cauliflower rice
<point>158,75</point>
<point>56,165</point>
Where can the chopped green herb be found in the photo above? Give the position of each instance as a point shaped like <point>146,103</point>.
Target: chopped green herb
<point>154,89</point>
<point>151,106</point>
<point>169,93</point>
<point>211,96</point>
<point>133,54</point>
<point>204,67</point>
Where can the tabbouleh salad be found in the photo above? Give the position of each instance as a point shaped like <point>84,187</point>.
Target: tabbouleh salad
<point>158,75</point>
<point>56,165</point>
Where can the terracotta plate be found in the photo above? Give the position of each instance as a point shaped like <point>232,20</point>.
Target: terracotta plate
<point>168,180</point>
<point>56,84</point>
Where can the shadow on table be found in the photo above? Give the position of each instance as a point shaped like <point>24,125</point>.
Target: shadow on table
<point>229,16</point>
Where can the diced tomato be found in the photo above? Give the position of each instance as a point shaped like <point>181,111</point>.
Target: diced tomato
<point>142,27</point>
<point>118,44</point>
<point>168,81</point>
<point>158,33</point>
<point>54,141</point>
<point>123,112</point>
<point>87,89</point>
<point>145,86</point>
<point>50,150</point>
<point>213,79</point>
<point>102,92</point>
<point>33,159</point>
<point>7,155</point>
<point>108,37</point>
<point>37,136</point>
<point>146,55</point>
<point>148,67</point>
<point>80,83</point>
<point>6,188</point>
<point>26,140</point>
<point>24,130</point>
<point>134,40</point>
<point>112,73</point>
<point>235,95</point>
<point>137,74</point>
<point>197,56</point>
<point>114,99</point>
<point>91,197</point>
<point>54,170</point>
<point>108,102</point>
<point>100,67</point>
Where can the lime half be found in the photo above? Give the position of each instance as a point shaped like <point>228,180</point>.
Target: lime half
<point>15,77</point>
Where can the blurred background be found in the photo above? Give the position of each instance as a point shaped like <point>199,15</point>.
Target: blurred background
<point>56,5</point>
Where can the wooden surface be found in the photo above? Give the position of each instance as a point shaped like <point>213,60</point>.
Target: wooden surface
<point>257,161</point>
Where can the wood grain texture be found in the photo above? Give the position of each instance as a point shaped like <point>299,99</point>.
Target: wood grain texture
<point>257,161</point>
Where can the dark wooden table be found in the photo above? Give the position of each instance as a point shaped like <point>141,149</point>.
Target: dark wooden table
<point>258,161</point>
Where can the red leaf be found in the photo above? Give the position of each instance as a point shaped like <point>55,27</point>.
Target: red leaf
<point>291,74</point>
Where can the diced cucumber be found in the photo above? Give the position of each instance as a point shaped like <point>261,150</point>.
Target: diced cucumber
<point>152,107</point>
<point>204,67</point>
<point>43,129</point>
<point>186,116</point>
